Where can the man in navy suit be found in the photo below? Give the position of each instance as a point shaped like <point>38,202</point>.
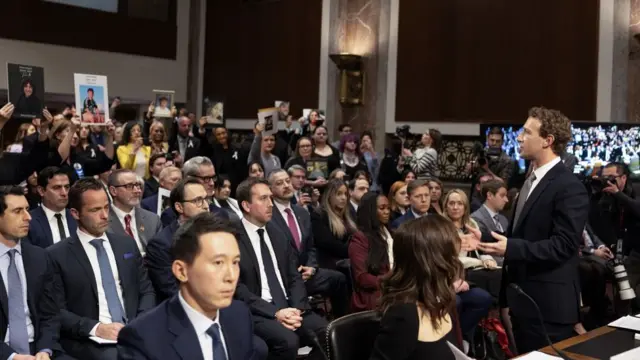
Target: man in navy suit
<point>357,189</point>
<point>419,199</point>
<point>169,176</point>
<point>51,222</point>
<point>200,168</point>
<point>101,282</point>
<point>188,198</point>
<point>295,223</point>
<point>27,279</point>
<point>544,237</point>
<point>202,321</point>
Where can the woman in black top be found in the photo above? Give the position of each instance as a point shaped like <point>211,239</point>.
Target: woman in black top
<point>418,297</point>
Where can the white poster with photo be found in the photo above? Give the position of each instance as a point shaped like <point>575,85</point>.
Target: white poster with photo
<point>92,98</point>
<point>163,103</point>
<point>269,118</point>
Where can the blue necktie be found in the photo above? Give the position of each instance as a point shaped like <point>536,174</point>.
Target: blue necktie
<point>108,282</point>
<point>18,336</point>
<point>218,348</point>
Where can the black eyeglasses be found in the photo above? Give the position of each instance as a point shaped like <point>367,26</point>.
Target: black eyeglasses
<point>130,186</point>
<point>206,179</point>
<point>199,201</point>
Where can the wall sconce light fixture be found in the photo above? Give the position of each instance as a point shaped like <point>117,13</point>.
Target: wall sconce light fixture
<point>352,78</point>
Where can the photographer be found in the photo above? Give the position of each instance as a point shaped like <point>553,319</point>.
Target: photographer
<point>493,160</point>
<point>615,215</point>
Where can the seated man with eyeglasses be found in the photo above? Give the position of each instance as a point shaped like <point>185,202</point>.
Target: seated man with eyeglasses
<point>201,169</point>
<point>126,217</point>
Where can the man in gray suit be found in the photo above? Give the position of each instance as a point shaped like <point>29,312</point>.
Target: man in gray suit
<point>488,216</point>
<point>126,217</point>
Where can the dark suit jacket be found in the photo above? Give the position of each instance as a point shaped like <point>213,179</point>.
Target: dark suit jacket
<point>169,215</point>
<point>192,150</point>
<point>40,299</point>
<point>249,288</point>
<point>150,203</point>
<point>77,290</point>
<point>159,260</point>
<point>402,219</point>
<point>542,251</point>
<point>307,252</point>
<point>150,187</point>
<point>40,231</point>
<point>165,333</point>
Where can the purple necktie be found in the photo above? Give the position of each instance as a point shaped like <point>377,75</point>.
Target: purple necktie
<point>291,221</point>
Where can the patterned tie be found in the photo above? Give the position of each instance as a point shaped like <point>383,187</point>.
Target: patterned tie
<point>127,225</point>
<point>522,198</point>
<point>277,295</point>
<point>63,235</point>
<point>498,225</point>
<point>218,348</point>
<point>108,282</point>
<point>18,335</point>
<point>291,221</point>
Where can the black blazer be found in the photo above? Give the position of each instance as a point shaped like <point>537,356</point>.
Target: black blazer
<point>40,231</point>
<point>307,253</point>
<point>192,150</point>
<point>40,299</point>
<point>249,289</point>
<point>331,249</point>
<point>158,260</point>
<point>542,251</point>
<point>77,290</point>
<point>150,187</point>
<point>165,333</point>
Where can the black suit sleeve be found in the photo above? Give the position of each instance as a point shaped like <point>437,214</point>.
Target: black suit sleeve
<point>398,333</point>
<point>75,325</point>
<point>5,350</point>
<point>159,264</point>
<point>297,291</point>
<point>130,345</point>
<point>257,304</point>
<point>48,311</point>
<point>569,216</point>
<point>312,260</point>
<point>325,240</point>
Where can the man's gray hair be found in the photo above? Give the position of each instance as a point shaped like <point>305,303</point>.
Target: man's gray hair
<point>296,167</point>
<point>191,167</point>
<point>274,173</point>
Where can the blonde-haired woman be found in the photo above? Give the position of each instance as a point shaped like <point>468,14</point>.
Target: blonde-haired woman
<point>332,225</point>
<point>157,138</point>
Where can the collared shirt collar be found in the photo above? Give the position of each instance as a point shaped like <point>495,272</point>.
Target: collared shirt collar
<point>200,322</point>
<point>50,214</point>
<point>86,238</point>
<point>250,226</point>
<point>544,169</point>
<point>5,249</point>
<point>121,214</point>
<point>282,207</point>
<point>491,212</point>
<point>355,206</point>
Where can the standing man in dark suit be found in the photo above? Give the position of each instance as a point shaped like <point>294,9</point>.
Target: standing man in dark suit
<point>156,164</point>
<point>188,198</point>
<point>295,222</point>
<point>541,253</point>
<point>28,324</point>
<point>51,222</point>
<point>270,282</point>
<point>420,201</point>
<point>101,283</point>
<point>202,169</point>
<point>201,321</point>
<point>185,144</point>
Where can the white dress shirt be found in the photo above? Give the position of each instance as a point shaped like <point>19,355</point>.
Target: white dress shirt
<point>104,316</point>
<point>387,237</point>
<point>134,226</point>
<point>201,324</point>
<point>252,231</point>
<point>355,206</point>
<point>282,209</point>
<point>53,223</point>
<point>5,260</point>
<point>541,172</point>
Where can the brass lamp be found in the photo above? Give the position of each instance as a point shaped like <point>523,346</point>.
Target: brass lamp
<point>351,78</point>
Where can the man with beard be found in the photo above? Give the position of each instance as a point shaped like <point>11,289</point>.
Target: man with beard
<point>126,216</point>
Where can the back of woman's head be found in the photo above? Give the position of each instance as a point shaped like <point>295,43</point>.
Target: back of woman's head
<point>425,266</point>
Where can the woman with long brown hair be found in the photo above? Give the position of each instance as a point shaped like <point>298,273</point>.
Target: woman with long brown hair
<point>418,297</point>
<point>332,225</point>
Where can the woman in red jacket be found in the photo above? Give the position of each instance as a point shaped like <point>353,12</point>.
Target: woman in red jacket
<point>370,251</point>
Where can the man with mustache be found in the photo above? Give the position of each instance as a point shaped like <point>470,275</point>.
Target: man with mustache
<point>101,280</point>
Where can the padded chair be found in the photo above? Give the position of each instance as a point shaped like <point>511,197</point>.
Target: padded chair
<point>351,337</point>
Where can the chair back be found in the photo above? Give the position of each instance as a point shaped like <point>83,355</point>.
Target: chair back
<point>351,337</point>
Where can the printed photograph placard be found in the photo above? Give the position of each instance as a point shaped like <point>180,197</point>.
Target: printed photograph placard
<point>214,112</point>
<point>163,100</point>
<point>269,117</point>
<point>26,89</point>
<point>92,98</point>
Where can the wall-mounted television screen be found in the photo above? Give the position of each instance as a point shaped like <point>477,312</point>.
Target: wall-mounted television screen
<point>594,144</point>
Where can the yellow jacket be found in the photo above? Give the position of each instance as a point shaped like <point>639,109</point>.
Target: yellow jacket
<point>128,161</point>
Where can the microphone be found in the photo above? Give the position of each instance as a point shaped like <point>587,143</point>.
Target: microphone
<point>316,343</point>
<point>521,292</point>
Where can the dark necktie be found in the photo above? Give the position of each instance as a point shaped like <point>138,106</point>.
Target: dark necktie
<point>522,198</point>
<point>218,348</point>
<point>18,335</point>
<point>291,222</point>
<point>277,295</point>
<point>108,282</point>
<point>63,235</point>
<point>127,226</point>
